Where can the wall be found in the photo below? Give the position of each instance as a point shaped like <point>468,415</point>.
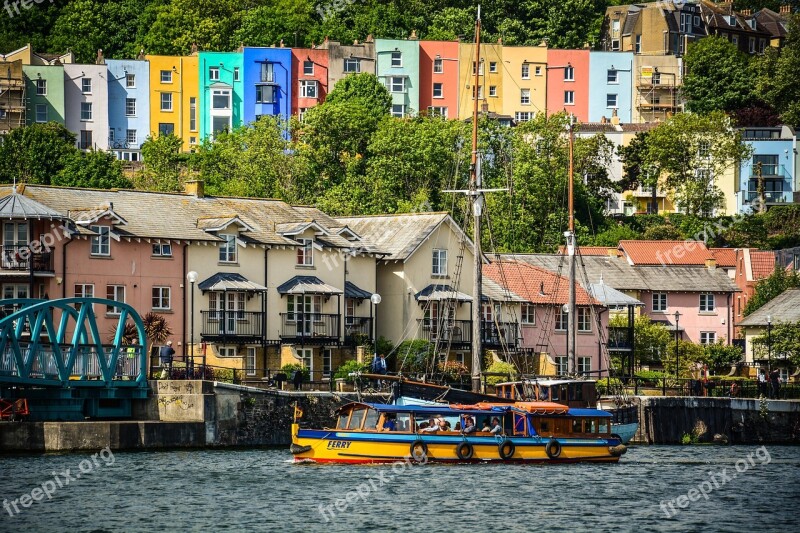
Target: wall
<point>557,85</point>
<point>337,53</point>
<point>54,99</point>
<point>692,321</point>
<point>73,96</point>
<point>281,59</point>
<point>320,60</point>
<point>118,92</point>
<point>451,89</point>
<point>600,63</point>
<point>185,91</point>
<point>513,82</point>
<point>408,70</point>
<point>644,91</point>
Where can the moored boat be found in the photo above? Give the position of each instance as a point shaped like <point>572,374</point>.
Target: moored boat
<point>537,432</point>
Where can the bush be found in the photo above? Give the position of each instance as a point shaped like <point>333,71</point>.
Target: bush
<point>415,356</point>
<point>452,370</point>
<point>650,377</point>
<point>500,366</point>
<point>289,369</point>
<point>343,372</point>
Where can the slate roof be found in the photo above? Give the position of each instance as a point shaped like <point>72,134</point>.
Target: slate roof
<point>307,285</point>
<point>609,296</point>
<point>231,281</point>
<point>17,206</point>
<point>783,308</point>
<point>666,252</point>
<point>535,284</point>
<point>441,292</point>
<point>351,290</point>
<point>773,23</point>
<point>495,292</point>
<point>595,250</point>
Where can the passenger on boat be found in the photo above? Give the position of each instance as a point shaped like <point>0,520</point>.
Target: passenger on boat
<point>496,427</point>
<point>433,426</point>
<point>469,425</point>
<point>486,426</point>
<point>390,424</point>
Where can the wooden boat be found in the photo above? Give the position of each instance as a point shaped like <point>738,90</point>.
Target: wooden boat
<point>528,432</point>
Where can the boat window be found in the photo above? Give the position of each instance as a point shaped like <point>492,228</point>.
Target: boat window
<point>545,426</point>
<point>603,426</point>
<point>554,393</point>
<point>519,424</point>
<point>403,422</point>
<point>577,426</point>
<point>356,418</point>
<point>372,420</point>
<point>343,417</point>
<point>590,426</point>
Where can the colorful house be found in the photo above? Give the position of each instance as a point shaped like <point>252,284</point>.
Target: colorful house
<point>438,78</point>
<point>221,92</point>
<point>490,73</point>
<point>568,82</point>
<point>268,83</point>
<point>346,59</point>
<point>86,104</point>
<point>45,93</point>
<point>397,66</point>
<point>12,91</point>
<point>657,80</point>
<point>524,70</point>
<point>174,98</point>
<point>309,79</point>
<point>610,77</point>
<point>128,107</point>
<point>771,167</point>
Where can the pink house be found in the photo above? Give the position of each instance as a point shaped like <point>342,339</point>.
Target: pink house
<point>438,77</point>
<point>568,82</point>
<point>309,78</point>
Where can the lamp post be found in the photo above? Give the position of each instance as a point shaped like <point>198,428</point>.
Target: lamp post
<point>769,345</point>
<point>375,299</point>
<point>191,277</point>
<point>677,353</point>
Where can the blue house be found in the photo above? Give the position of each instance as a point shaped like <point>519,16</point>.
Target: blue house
<point>267,82</point>
<point>773,164</point>
<point>611,86</point>
<point>128,107</point>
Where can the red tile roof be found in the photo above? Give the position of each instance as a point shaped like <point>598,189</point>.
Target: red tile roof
<point>593,250</point>
<point>726,257</point>
<point>535,284</point>
<point>763,264</point>
<point>666,252</point>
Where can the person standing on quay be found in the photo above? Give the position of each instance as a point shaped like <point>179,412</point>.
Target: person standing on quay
<point>165,355</point>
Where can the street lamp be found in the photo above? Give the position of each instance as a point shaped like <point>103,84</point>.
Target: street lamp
<point>191,277</point>
<point>677,353</point>
<point>769,345</point>
<point>375,299</point>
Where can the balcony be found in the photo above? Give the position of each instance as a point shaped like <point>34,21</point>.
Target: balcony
<point>21,258</point>
<point>619,339</point>
<point>309,328</point>
<point>499,334</point>
<point>772,197</point>
<point>232,326</point>
<point>457,332</point>
<point>357,330</point>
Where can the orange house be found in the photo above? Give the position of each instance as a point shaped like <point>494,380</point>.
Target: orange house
<point>568,82</point>
<point>438,78</point>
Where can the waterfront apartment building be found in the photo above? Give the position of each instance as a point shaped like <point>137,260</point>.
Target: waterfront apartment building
<point>86,104</point>
<point>490,89</point>
<point>221,90</point>
<point>568,82</point>
<point>439,91</point>
<point>524,81</point>
<point>346,59</point>
<point>128,107</point>
<point>397,67</point>
<point>309,79</point>
<point>45,93</point>
<point>268,83</point>
<point>175,98</point>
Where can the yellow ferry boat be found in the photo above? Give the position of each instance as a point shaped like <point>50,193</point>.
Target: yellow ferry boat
<point>484,432</point>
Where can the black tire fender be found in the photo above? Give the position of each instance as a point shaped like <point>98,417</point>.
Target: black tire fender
<point>418,451</point>
<point>506,449</point>
<point>553,449</point>
<point>464,451</point>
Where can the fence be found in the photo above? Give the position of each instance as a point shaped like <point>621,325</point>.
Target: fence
<point>714,388</point>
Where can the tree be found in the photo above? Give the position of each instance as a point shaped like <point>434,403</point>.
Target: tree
<point>364,89</point>
<point>717,76</point>
<point>771,287</point>
<point>637,168</point>
<point>720,357</point>
<point>163,164</point>
<point>35,153</point>
<point>93,169</point>
<point>665,232</point>
<point>282,20</point>
<point>650,338</point>
<point>775,75</point>
<point>783,341</point>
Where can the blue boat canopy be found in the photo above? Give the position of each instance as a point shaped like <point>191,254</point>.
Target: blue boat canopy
<point>447,409</point>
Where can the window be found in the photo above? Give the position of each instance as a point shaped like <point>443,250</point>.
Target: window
<point>130,107</point>
<point>161,298</point>
<point>83,290</point>
<point>569,97</point>
<point>235,73</point>
<point>227,249</point>
<point>193,113</point>
<point>438,66</point>
<point>660,302</point>
<point>708,337</point>
<point>561,319</point>
<point>267,72</point>
<point>41,112</point>
<point>437,90</point>
<point>439,262</point>
<point>528,314</point>
<point>219,124</point>
<point>41,87</point>
<point>398,110</point>
<point>707,303</point>
<point>116,293</point>
<point>302,308</point>
<point>166,128</point>
<point>162,249</point>
<point>130,81</point>
<point>766,165</point>
<point>349,311</point>
<point>86,111</point>
<point>525,97</point>
<point>86,85</point>
<point>615,26</point>
<point>637,47</point>
<point>584,319</point>
<point>265,94</point>
<point>762,43</point>
<point>492,91</point>
<point>611,100</point>
<point>166,76</point>
<point>86,140</point>
<point>226,351</point>
<point>735,39</point>
<point>227,306</point>
<point>686,23</point>
<point>213,73</point>
<point>166,101</point>
<point>308,89</point>
<point>523,116</point>
<point>326,363</point>
<point>615,45</point>
<point>308,68</point>
<point>569,73</point>
<point>306,357</point>
<point>526,71</point>
<point>561,365</point>
<point>397,59</point>
<point>584,365</point>
<point>437,111</point>
<point>697,21</point>
<point>301,113</point>
<point>110,135</point>
<point>130,137</point>
<point>352,65</point>
<point>101,243</point>
<point>480,68</point>
<point>612,76</point>
<point>250,361</point>
<point>492,66</point>
<point>305,253</point>
<point>221,99</point>
<point>656,79</point>
<point>397,84</point>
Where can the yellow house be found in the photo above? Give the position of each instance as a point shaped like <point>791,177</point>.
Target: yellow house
<point>175,98</point>
<point>524,72</point>
<point>490,88</point>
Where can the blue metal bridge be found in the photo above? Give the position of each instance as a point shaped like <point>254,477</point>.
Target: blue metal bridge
<point>52,353</point>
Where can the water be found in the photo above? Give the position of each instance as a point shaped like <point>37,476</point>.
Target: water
<point>259,490</point>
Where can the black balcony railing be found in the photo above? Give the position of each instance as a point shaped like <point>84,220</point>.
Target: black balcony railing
<point>309,328</point>
<point>357,330</point>
<point>232,325</point>
<point>619,338</point>
<point>456,332</point>
<point>499,334</point>
<point>22,257</point>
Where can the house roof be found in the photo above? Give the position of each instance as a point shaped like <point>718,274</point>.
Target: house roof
<point>772,22</point>
<point>783,308</point>
<point>495,292</point>
<point>609,296</point>
<point>351,290</point>
<point>665,252</point>
<point>535,284</point>
<point>441,292</point>
<point>725,257</point>
<point>399,235</point>
<point>307,285</point>
<point>763,264</point>
<point>16,206</point>
<point>594,250</point>
<point>229,281</point>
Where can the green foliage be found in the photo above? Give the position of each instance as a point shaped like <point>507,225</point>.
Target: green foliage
<point>501,367</point>
<point>163,163</point>
<point>650,338</point>
<point>666,232</point>
<point>348,367</point>
<point>775,75</point>
<point>452,370</point>
<point>717,76</point>
<point>651,377</point>
<point>35,153</point>
<point>364,89</point>
<point>612,235</point>
<point>415,356</point>
<point>93,169</point>
<point>690,355</point>
<point>784,340</point>
<point>769,288</point>
<point>721,356</point>
<point>289,369</point>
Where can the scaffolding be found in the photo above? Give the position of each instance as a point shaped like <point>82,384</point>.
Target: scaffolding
<point>12,96</point>
<point>656,92</point>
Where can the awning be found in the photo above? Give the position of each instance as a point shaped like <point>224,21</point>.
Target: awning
<point>668,325</point>
<point>307,285</point>
<point>441,292</point>
<point>609,296</point>
<point>352,291</point>
<point>229,281</point>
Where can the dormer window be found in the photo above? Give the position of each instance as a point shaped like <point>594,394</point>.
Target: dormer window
<point>101,243</point>
<point>227,250</point>
<point>305,253</point>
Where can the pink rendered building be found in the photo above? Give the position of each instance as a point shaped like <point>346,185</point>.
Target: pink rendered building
<point>438,77</point>
<point>568,82</point>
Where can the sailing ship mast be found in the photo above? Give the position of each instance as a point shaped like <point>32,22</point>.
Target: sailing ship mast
<point>572,314</point>
<point>477,207</point>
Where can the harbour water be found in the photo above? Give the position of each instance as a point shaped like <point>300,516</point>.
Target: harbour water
<point>655,488</point>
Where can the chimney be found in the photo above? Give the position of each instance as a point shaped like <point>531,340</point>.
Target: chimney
<point>615,119</point>
<point>100,59</point>
<point>485,107</point>
<point>613,252</point>
<point>194,49</point>
<point>603,120</point>
<point>413,36</point>
<point>746,12</point>
<point>785,10</point>
<point>541,288</point>
<point>711,264</point>
<point>499,40</point>
<point>281,44</point>
<point>140,57</point>
<point>355,42</point>
<point>369,39</point>
<point>195,188</point>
